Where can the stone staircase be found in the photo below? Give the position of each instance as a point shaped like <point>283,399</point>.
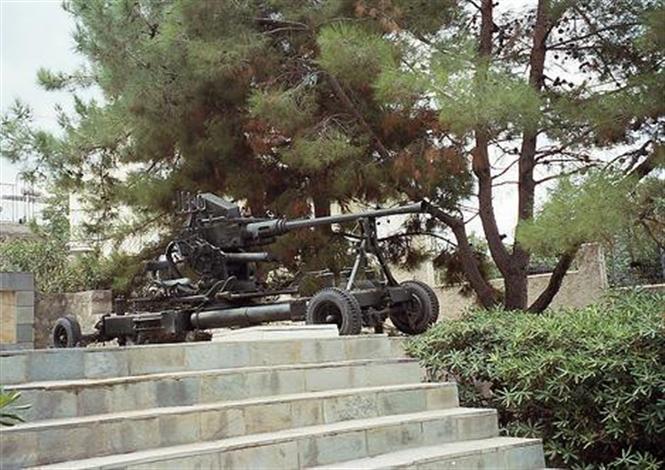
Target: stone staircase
<point>277,398</point>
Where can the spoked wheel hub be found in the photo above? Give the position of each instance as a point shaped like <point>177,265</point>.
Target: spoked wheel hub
<point>328,312</point>
<point>60,337</point>
<point>418,313</point>
<point>66,332</point>
<point>413,310</point>
<point>335,306</point>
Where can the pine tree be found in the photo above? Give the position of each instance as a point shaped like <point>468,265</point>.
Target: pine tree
<point>285,104</point>
<point>239,98</point>
<point>544,91</point>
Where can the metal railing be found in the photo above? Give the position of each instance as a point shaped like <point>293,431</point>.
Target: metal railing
<point>20,202</point>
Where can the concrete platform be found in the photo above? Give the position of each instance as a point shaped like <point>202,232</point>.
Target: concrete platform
<point>271,332</point>
<point>312,445</point>
<point>167,426</point>
<point>78,363</point>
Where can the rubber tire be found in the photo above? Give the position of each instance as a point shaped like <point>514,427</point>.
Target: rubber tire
<point>430,309</point>
<point>433,299</point>
<point>71,327</point>
<point>346,303</point>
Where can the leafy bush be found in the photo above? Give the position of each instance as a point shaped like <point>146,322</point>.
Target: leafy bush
<point>9,410</point>
<point>590,381</point>
<point>54,269</point>
<point>46,254</point>
<point>632,261</point>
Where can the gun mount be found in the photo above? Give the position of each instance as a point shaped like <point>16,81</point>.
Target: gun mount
<point>218,245</point>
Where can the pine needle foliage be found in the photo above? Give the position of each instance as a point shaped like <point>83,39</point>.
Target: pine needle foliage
<point>496,100</point>
<point>314,154</point>
<point>577,210</point>
<point>275,104</point>
<point>288,110</point>
<point>597,207</point>
<point>348,49</point>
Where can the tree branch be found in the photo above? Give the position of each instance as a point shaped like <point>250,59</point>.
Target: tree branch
<point>504,170</point>
<point>594,32</point>
<point>515,278</point>
<point>281,23</point>
<point>562,175</point>
<point>474,4</point>
<point>411,234</point>
<point>655,159</point>
<point>348,104</point>
<point>487,295</point>
<point>480,161</point>
<point>529,136</point>
<point>554,284</point>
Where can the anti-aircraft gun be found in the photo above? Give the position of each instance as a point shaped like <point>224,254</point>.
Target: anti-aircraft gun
<point>220,246</point>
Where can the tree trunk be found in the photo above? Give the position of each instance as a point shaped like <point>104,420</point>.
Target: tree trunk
<point>516,283</point>
<point>516,286</point>
<point>322,209</point>
<point>545,298</point>
<point>480,155</point>
<point>481,168</point>
<point>487,295</point>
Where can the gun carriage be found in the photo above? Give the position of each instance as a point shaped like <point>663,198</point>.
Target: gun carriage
<point>221,246</point>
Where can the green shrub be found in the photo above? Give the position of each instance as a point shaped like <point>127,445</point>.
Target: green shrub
<point>46,254</point>
<point>54,268</point>
<point>10,412</point>
<point>590,381</point>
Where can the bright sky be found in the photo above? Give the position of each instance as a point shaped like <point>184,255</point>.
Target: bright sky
<point>38,33</point>
<point>34,34</point>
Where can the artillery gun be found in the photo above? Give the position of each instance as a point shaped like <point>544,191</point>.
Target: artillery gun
<point>221,247</point>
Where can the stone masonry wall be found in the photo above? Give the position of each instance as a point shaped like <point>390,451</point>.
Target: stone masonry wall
<point>580,287</point>
<point>17,298</point>
<point>87,306</point>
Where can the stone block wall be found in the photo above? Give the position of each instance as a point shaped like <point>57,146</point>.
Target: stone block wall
<point>17,310</point>
<point>87,306</point>
<point>580,287</point>
<point>27,317</point>
<point>12,231</point>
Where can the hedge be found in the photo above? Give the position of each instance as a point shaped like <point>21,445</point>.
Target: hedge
<point>590,382</point>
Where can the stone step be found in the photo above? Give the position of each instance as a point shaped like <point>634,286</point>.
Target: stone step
<point>493,453</point>
<point>69,398</point>
<point>52,441</point>
<point>293,331</point>
<point>92,363</point>
<point>307,446</point>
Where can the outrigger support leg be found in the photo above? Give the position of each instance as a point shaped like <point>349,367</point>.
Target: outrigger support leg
<point>360,259</point>
<point>372,246</point>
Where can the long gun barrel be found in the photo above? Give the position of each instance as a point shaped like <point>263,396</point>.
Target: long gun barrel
<point>270,228</point>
